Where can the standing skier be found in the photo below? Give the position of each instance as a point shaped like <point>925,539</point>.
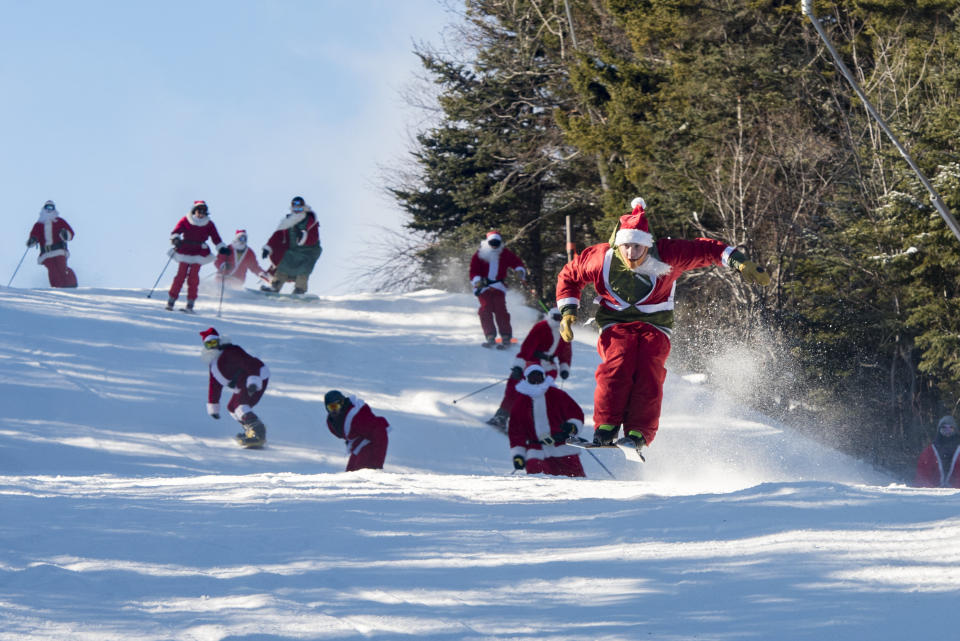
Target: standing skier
<point>232,267</point>
<point>51,233</point>
<point>247,376</point>
<point>543,345</point>
<point>190,250</point>
<point>542,418</point>
<point>937,465</point>
<point>293,248</point>
<point>635,278</point>
<point>488,270</point>
<point>365,433</point>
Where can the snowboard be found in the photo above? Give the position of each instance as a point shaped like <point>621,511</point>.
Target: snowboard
<point>624,444</point>
<point>302,298</point>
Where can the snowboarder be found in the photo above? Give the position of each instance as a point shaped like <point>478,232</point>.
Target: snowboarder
<point>635,279</point>
<point>488,271</point>
<point>51,233</point>
<point>542,418</point>
<point>937,465</point>
<point>247,376</point>
<point>293,249</point>
<point>232,267</point>
<point>352,420</point>
<point>190,250</point>
<point>544,345</point>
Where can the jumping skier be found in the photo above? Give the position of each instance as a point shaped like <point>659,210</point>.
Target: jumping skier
<point>245,375</point>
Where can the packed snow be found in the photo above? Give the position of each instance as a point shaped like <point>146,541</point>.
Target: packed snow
<point>128,513</point>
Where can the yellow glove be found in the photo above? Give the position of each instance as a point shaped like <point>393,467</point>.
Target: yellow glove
<point>566,327</point>
<point>754,274</point>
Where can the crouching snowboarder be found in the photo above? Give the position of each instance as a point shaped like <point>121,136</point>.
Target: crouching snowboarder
<point>352,420</point>
<point>247,376</point>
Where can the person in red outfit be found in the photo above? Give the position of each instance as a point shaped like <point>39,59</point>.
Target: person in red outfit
<point>542,418</point>
<point>488,270</point>
<point>246,375</point>
<point>937,465</point>
<point>190,250</point>
<point>544,345</point>
<point>635,278</point>
<point>51,233</point>
<point>232,267</point>
<point>365,433</point>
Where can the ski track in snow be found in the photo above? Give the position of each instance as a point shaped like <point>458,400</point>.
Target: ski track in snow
<point>129,514</point>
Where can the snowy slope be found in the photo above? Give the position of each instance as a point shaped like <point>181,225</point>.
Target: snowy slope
<point>129,514</point>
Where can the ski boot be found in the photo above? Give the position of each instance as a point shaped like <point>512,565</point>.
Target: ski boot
<point>638,442</point>
<point>189,307</point>
<point>170,302</point>
<point>489,341</point>
<point>605,434</point>
<point>504,342</point>
<point>499,420</point>
<point>254,433</point>
<point>299,291</point>
<point>269,289</point>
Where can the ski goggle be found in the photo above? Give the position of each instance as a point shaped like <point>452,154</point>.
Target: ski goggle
<point>557,317</point>
<point>494,242</point>
<point>212,343</point>
<point>49,207</point>
<point>242,238</point>
<point>297,208</point>
<point>948,429</point>
<point>334,406</point>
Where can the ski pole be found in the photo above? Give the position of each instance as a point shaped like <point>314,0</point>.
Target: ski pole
<point>18,265</point>
<point>223,280</point>
<point>502,380</point>
<point>160,276</point>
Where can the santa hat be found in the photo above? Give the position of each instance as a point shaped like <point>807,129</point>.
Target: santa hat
<point>207,334</point>
<point>493,234</point>
<point>634,227</point>
<point>533,366</point>
<point>197,204</point>
<point>240,232</point>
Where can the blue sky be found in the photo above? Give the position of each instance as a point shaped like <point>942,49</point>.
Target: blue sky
<point>124,113</point>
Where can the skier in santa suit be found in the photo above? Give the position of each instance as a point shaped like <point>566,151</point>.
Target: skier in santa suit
<point>293,249</point>
<point>190,250</point>
<point>543,345</point>
<point>52,233</point>
<point>488,270</point>
<point>542,418</point>
<point>365,433</point>
<point>232,268</point>
<point>635,278</point>
<point>245,375</point>
<point>937,465</point>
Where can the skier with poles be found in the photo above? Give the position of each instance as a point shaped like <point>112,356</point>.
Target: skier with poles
<point>542,418</point>
<point>635,278</point>
<point>51,233</point>
<point>233,266</point>
<point>489,266</point>
<point>245,375</point>
<point>293,249</point>
<point>365,433</point>
<point>190,250</point>
<point>543,345</point>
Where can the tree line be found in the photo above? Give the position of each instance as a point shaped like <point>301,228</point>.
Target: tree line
<point>730,119</point>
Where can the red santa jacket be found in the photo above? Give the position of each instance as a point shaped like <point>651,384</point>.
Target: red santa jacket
<point>193,232</point>
<point>52,234</point>
<point>493,264</point>
<point>360,426</point>
<point>538,412</point>
<point>280,241</point>
<point>598,263</point>
<point>930,470</point>
<point>544,338</point>
<point>240,263</point>
<point>235,369</point>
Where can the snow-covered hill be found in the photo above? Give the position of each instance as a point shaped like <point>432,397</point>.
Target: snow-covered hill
<point>127,513</point>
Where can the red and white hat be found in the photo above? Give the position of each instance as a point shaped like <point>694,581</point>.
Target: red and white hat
<point>533,366</point>
<point>494,234</point>
<point>207,334</point>
<point>240,232</point>
<point>634,227</point>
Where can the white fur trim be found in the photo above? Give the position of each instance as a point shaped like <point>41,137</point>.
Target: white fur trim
<point>291,219</point>
<point>213,408</point>
<point>194,259</point>
<point>240,411</point>
<point>563,302</point>
<point>726,255</point>
<point>638,201</point>
<point>256,381</point>
<point>637,236</point>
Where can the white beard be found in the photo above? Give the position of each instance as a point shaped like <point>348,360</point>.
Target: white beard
<point>652,267</point>
<point>487,252</point>
<point>209,355</point>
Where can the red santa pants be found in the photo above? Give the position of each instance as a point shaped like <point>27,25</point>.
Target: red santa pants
<point>58,273</point>
<point>370,457</point>
<point>243,398</point>
<point>630,379</point>
<point>493,306</point>
<point>189,272</point>
<point>563,466</point>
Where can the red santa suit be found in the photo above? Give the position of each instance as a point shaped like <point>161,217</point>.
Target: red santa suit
<point>190,237</point>
<point>245,375</point>
<point>233,267</point>
<point>364,432</point>
<point>542,345</point>
<point>537,414</point>
<point>488,269</point>
<point>938,464</point>
<point>635,316</point>
<point>51,233</point>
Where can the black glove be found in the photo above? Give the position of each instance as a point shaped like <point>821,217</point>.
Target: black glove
<point>476,292</point>
<point>176,241</point>
<point>217,416</point>
<point>64,235</point>
<point>224,251</point>
<point>31,241</point>
<point>519,462</point>
<point>564,374</point>
<point>543,356</point>
<point>224,267</point>
<point>516,373</point>
<point>252,389</point>
<point>567,430</point>
<point>264,253</point>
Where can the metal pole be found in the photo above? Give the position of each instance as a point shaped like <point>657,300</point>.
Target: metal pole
<point>160,276</point>
<point>18,265</point>
<point>807,8</point>
<point>502,380</point>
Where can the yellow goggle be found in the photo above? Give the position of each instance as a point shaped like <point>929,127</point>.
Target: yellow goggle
<point>334,407</point>
<point>211,343</point>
